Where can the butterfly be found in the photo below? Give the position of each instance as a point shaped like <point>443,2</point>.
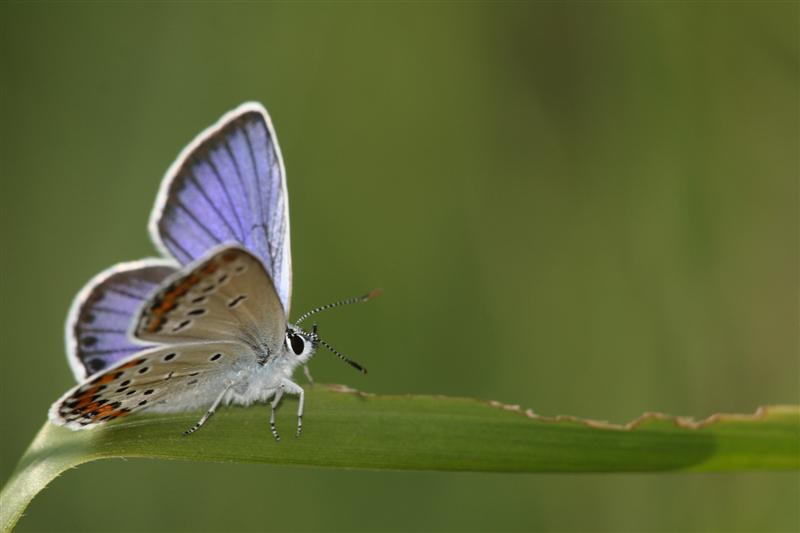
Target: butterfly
<point>208,324</point>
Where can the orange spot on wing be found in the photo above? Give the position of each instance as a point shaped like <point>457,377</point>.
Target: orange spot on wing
<point>131,364</point>
<point>209,268</point>
<point>118,413</point>
<point>169,300</point>
<point>103,411</point>
<point>107,378</point>
<point>85,398</point>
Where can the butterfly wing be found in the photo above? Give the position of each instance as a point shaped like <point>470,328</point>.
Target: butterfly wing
<point>162,379</point>
<point>101,314</point>
<point>226,295</point>
<point>229,184</point>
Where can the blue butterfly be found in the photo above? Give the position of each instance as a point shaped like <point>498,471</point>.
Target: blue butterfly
<point>207,325</point>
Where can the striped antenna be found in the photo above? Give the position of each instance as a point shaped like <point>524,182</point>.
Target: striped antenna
<point>342,356</point>
<point>356,299</point>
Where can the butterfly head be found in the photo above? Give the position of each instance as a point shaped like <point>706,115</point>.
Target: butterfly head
<point>301,343</point>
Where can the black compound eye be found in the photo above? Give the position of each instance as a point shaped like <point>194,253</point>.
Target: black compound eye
<point>297,343</point>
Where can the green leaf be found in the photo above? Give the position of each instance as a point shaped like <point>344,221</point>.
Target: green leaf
<point>349,429</point>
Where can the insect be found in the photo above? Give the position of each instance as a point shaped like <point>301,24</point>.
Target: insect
<point>207,325</point>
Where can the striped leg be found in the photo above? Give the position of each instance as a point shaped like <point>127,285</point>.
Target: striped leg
<point>275,401</point>
<point>208,414</point>
<point>293,388</point>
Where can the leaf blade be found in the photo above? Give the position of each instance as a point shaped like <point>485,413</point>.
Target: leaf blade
<point>348,429</point>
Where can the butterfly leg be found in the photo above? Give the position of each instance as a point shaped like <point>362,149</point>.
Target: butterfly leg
<point>293,388</point>
<point>208,414</point>
<point>307,372</point>
<point>275,401</point>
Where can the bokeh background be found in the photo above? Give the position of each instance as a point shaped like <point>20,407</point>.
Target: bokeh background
<point>588,209</point>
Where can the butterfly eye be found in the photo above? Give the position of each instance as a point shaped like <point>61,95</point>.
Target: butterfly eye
<point>296,341</point>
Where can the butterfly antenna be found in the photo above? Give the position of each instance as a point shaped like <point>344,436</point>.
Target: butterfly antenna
<point>357,299</point>
<point>343,357</point>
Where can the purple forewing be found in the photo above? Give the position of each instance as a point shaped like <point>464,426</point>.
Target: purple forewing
<point>228,186</point>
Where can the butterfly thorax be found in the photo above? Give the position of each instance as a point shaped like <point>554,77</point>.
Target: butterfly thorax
<point>261,381</point>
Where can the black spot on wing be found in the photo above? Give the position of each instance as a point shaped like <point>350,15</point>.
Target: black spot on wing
<point>181,326</point>
<point>236,301</point>
<point>89,341</point>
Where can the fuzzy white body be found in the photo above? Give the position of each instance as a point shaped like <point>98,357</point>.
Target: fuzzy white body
<point>245,383</point>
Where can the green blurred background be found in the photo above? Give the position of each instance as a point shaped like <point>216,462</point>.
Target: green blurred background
<point>587,208</point>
